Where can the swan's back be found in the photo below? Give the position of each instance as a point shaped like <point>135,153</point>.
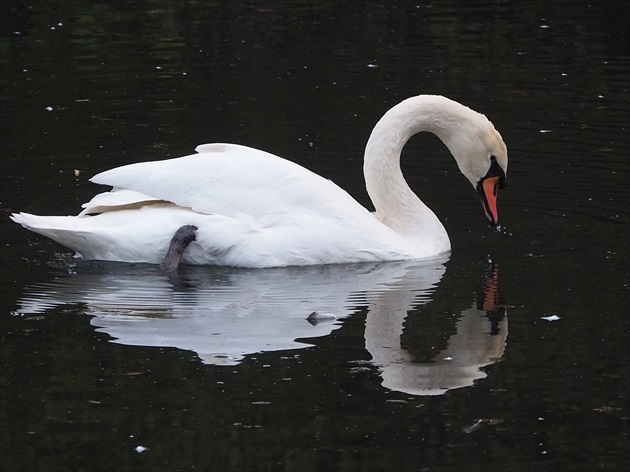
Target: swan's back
<point>229,179</point>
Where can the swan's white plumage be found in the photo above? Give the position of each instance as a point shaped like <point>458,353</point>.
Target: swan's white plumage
<point>254,209</point>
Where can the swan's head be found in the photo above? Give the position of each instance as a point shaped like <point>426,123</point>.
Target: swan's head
<point>477,146</point>
<point>482,157</point>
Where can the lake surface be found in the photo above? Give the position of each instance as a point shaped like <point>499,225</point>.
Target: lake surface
<point>509,354</point>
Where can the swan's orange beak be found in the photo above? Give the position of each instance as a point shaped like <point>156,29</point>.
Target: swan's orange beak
<point>487,189</point>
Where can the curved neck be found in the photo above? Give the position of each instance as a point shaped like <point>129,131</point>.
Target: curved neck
<point>396,204</point>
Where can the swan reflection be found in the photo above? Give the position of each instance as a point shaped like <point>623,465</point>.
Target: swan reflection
<point>224,314</point>
<point>479,340</point>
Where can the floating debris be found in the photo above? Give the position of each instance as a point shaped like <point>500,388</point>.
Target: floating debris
<point>317,317</point>
<point>133,374</point>
<point>481,422</point>
<point>550,318</point>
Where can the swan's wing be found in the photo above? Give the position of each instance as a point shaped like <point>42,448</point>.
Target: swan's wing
<point>230,179</point>
<point>120,199</point>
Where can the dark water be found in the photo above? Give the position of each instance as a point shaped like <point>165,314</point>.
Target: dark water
<point>221,370</point>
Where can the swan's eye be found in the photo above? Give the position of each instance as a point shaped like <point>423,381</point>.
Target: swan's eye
<point>493,159</point>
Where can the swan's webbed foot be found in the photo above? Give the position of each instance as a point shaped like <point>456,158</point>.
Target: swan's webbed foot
<point>180,241</point>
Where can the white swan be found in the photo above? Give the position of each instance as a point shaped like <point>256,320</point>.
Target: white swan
<point>244,207</point>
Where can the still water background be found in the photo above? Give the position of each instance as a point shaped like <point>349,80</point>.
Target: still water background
<point>112,367</point>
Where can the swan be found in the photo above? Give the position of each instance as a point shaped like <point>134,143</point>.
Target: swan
<point>234,205</point>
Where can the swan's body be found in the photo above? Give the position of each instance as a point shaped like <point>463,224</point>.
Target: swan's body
<point>254,209</point>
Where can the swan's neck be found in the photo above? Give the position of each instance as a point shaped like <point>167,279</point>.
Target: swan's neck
<point>396,204</point>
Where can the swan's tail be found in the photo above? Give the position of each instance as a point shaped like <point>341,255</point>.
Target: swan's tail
<point>65,230</point>
<point>139,235</point>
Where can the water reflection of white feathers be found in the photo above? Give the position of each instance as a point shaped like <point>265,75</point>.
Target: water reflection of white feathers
<point>225,314</point>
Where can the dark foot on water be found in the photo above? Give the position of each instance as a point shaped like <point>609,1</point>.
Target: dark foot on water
<point>180,241</point>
